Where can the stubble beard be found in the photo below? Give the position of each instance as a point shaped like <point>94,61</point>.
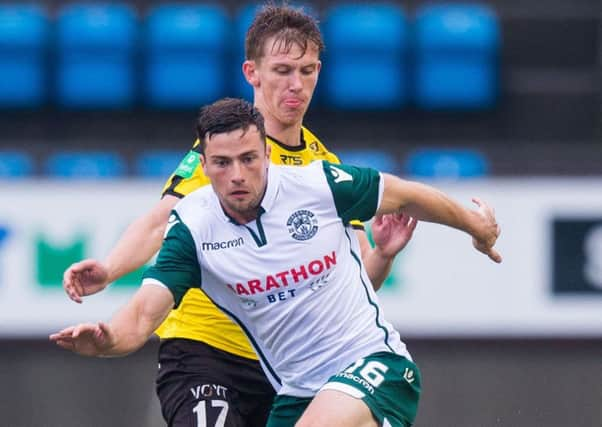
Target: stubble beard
<point>244,209</point>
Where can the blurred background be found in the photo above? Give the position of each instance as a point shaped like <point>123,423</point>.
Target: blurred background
<point>500,99</point>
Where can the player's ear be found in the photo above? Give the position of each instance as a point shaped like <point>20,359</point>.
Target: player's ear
<point>203,162</point>
<point>249,70</point>
<point>268,150</point>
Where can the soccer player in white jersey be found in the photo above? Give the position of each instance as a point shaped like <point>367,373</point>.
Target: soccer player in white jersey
<point>282,48</point>
<point>272,246</point>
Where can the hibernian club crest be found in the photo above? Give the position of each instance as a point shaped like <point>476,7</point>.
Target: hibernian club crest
<point>302,225</point>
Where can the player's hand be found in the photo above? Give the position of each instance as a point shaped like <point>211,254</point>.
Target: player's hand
<point>488,231</point>
<point>392,232</point>
<point>85,278</point>
<point>86,339</point>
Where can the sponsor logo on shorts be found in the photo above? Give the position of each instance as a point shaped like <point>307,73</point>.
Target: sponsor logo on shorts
<point>408,375</point>
<point>357,379</point>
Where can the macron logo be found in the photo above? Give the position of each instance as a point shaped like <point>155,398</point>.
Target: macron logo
<point>340,175</point>
<point>214,246</point>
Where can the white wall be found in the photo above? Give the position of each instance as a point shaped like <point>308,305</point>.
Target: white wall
<point>440,285</point>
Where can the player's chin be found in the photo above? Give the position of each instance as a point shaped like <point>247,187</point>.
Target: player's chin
<point>291,116</point>
<point>239,205</point>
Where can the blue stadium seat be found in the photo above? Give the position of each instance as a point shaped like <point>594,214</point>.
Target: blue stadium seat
<point>15,164</point>
<point>23,36</point>
<point>365,62</point>
<point>186,55</point>
<point>158,164</point>
<point>96,50</point>
<point>376,159</point>
<point>446,163</point>
<point>457,48</point>
<point>85,165</point>
<point>242,21</point>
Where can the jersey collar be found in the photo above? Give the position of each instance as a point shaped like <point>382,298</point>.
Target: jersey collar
<point>300,147</point>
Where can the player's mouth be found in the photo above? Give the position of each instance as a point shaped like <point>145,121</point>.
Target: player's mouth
<point>293,102</point>
<point>239,194</point>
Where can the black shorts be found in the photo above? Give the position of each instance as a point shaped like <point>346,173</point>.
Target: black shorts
<point>199,385</point>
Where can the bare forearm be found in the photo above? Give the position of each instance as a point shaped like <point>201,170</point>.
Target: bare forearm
<point>140,242</point>
<point>129,335</point>
<point>426,203</point>
<point>377,265</point>
<point>134,324</point>
<point>137,245</point>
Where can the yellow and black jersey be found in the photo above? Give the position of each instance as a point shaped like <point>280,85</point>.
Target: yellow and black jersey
<point>189,175</point>
<point>196,318</point>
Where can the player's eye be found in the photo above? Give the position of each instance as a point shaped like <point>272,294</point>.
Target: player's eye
<point>222,163</point>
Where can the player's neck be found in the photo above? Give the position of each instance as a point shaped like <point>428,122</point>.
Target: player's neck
<point>289,135</point>
<point>243,217</point>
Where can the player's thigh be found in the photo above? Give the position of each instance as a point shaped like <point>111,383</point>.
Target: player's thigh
<point>335,408</point>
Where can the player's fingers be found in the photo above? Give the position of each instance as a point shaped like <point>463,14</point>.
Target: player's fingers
<point>378,220</point>
<point>62,335</point>
<point>75,297</point>
<point>67,277</point>
<point>412,223</point>
<point>485,209</point>
<point>67,331</point>
<point>72,285</point>
<point>77,288</point>
<point>65,344</point>
<point>79,330</point>
<point>494,255</point>
<point>399,218</point>
<point>80,266</point>
<point>104,329</point>
<point>408,220</point>
<point>54,337</point>
<point>73,294</point>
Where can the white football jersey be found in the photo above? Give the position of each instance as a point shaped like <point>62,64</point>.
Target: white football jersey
<point>293,278</point>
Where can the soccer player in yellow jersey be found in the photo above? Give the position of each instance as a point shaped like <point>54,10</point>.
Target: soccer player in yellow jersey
<point>209,374</point>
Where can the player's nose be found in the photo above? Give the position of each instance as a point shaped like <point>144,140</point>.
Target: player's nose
<point>237,175</point>
<point>295,82</point>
